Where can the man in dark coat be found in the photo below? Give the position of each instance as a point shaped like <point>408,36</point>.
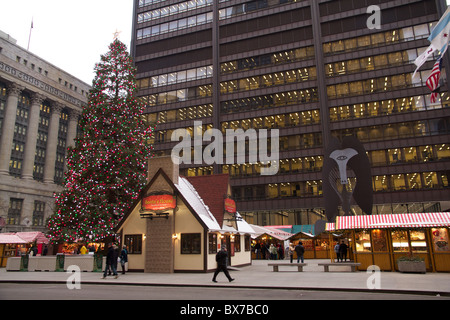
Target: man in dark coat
<point>300,250</point>
<point>221,258</point>
<point>111,261</point>
<point>343,251</point>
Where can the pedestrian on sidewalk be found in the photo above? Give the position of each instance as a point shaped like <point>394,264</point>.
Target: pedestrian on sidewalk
<point>300,250</point>
<point>110,263</point>
<point>291,252</point>
<point>343,251</point>
<point>336,250</point>
<point>221,258</point>
<point>124,258</point>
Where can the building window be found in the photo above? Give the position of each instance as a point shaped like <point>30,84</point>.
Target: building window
<point>212,243</point>
<point>133,243</point>
<point>14,211</point>
<point>38,213</point>
<point>247,243</point>
<point>191,243</point>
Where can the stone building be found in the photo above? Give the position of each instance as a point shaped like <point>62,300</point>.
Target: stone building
<point>40,105</point>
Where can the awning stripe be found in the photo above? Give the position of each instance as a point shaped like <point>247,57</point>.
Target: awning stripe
<point>408,220</point>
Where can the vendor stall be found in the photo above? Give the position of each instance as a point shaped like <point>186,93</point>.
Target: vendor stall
<point>382,239</point>
<point>10,246</point>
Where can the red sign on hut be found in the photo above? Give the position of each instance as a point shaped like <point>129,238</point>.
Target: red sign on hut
<point>159,202</point>
<point>230,205</point>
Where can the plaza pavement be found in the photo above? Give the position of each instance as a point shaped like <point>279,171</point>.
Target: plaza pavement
<point>260,275</point>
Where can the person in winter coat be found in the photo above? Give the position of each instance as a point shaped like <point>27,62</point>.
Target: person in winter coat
<point>111,261</point>
<point>336,250</point>
<point>343,251</point>
<point>123,258</point>
<point>300,251</point>
<point>221,258</point>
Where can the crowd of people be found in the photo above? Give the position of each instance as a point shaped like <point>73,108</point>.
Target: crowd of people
<point>277,252</point>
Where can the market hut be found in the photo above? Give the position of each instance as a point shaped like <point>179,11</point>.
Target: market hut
<point>268,235</point>
<point>382,239</point>
<point>10,245</point>
<point>178,224</point>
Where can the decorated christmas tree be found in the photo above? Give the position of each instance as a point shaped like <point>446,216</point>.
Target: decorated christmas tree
<point>107,167</point>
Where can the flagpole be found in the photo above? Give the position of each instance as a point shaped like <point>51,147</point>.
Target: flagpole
<point>29,37</point>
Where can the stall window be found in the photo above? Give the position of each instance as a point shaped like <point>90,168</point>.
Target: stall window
<point>191,243</point>
<point>212,243</point>
<point>247,243</point>
<point>363,241</point>
<point>418,241</point>
<point>400,241</point>
<point>379,241</point>
<point>440,239</point>
<point>133,243</point>
<point>237,243</point>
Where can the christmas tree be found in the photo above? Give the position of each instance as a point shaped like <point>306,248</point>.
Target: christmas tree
<point>107,167</point>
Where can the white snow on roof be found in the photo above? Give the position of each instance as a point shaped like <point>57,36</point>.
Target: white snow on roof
<point>196,202</point>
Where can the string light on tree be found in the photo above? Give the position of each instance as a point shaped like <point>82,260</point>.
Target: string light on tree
<point>107,166</point>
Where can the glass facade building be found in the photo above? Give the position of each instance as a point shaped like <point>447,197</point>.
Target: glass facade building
<point>312,69</point>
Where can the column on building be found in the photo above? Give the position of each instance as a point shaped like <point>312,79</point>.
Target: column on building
<point>72,128</point>
<point>52,142</point>
<point>9,122</point>
<point>30,144</point>
<point>71,132</point>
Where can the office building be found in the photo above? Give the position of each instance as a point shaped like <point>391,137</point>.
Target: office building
<point>312,69</point>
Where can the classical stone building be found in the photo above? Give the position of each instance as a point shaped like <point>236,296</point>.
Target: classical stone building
<point>40,105</point>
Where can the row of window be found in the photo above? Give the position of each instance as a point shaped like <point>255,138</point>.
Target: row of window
<point>175,77</point>
<point>248,7</point>
<point>388,107</point>
<point>278,121</point>
<point>286,56</point>
<point>173,9</point>
<point>378,39</point>
<point>15,212</point>
<point>402,130</point>
<point>310,188</point>
<point>271,100</point>
<point>385,157</point>
<point>370,63</point>
<point>175,25</point>
<point>188,113</point>
<point>177,95</point>
<point>190,243</point>
<point>268,80</point>
<point>377,85</point>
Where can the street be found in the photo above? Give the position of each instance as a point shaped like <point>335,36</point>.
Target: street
<point>9,291</point>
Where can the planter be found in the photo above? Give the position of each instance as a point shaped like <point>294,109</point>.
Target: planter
<point>412,266</point>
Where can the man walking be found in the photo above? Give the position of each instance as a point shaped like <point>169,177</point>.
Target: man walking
<point>110,263</point>
<point>221,258</point>
<point>343,251</point>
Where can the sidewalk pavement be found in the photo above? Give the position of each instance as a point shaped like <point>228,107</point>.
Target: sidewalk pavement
<point>260,276</point>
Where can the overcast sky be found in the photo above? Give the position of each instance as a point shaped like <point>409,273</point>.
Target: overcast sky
<point>69,34</point>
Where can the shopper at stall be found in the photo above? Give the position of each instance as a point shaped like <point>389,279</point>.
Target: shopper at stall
<point>110,263</point>
<point>343,251</point>
<point>336,250</point>
<point>300,251</point>
<point>221,258</point>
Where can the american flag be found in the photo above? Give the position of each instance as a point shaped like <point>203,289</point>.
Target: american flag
<point>433,80</point>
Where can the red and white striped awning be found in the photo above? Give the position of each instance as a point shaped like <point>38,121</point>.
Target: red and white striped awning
<point>407,220</point>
